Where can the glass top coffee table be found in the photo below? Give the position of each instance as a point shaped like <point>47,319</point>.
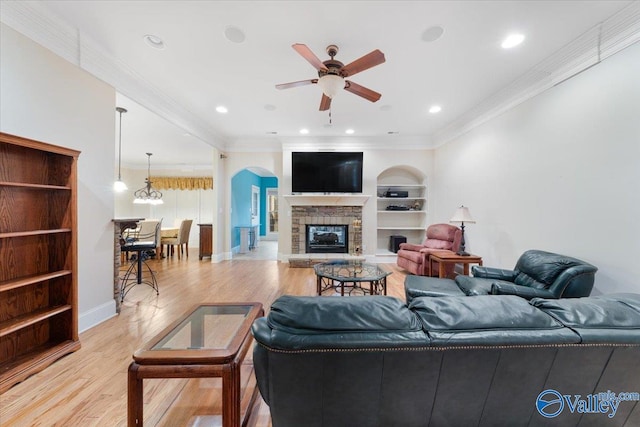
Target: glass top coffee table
<point>210,340</point>
<point>341,274</point>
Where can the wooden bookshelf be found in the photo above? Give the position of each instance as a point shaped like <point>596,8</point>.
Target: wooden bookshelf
<point>38,256</point>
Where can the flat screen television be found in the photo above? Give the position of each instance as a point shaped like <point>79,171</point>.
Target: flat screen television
<point>326,172</point>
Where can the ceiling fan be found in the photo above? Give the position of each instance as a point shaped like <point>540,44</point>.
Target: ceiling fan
<point>332,74</point>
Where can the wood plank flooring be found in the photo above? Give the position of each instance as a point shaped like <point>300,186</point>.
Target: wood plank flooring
<point>89,387</point>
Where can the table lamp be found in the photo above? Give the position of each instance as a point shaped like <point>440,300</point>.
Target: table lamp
<point>462,215</point>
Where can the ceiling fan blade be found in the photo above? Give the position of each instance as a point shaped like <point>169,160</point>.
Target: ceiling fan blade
<point>362,91</point>
<point>296,84</point>
<point>325,103</point>
<point>369,60</point>
<point>307,54</point>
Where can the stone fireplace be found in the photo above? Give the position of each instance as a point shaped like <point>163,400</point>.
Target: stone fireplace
<point>319,216</point>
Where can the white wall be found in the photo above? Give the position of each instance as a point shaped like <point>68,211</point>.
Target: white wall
<point>560,172</point>
<point>46,98</point>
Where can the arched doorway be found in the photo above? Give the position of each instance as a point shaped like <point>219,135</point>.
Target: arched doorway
<point>254,214</point>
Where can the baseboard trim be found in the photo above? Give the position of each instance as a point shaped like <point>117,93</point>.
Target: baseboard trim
<point>96,315</point>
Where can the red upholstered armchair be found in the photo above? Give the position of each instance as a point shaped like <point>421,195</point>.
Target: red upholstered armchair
<point>440,237</point>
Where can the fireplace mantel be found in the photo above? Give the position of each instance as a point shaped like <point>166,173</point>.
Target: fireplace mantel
<point>327,199</point>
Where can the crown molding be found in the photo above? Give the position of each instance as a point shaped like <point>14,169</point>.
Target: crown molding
<point>598,43</point>
<point>35,21</point>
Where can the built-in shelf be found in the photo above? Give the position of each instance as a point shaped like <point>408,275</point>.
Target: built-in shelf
<point>411,194</point>
<point>327,199</point>
<point>402,228</point>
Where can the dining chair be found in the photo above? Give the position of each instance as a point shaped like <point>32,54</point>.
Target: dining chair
<point>181,240</point>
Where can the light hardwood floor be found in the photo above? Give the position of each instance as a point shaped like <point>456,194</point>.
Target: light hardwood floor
<point>89,387</point>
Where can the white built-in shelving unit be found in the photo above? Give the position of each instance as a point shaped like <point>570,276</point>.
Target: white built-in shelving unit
<point>409,216</point>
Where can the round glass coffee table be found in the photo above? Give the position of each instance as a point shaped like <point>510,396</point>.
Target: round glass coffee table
<point>352,275</point>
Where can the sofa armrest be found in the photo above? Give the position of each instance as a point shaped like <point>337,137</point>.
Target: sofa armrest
<point>493,273</point>
<point>411,247</point>
<point>521,291</point>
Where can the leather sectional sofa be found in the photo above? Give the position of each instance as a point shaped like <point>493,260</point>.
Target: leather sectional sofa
<point>450,361</point>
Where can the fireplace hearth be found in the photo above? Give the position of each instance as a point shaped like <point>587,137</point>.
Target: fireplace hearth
<point>321,238</point>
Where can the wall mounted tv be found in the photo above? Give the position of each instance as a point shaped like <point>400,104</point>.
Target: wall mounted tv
<point>326,172</point>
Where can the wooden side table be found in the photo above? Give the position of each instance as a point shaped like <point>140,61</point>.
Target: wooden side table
<point>452,258</point>
<point>205,248</point>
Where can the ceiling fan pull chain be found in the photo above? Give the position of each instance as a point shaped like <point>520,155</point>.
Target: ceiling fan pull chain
<point>330,116</point>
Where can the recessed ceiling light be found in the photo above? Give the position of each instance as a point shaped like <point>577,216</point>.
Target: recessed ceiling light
<point>349,131</point>
<point>435,109</point>
<point>154,41</point>
<point>222,109</point>
<point>432,34</point>
<point>270,107</point>
<point>304,131</point>
<point>234,34</point>
<point>512,40</point>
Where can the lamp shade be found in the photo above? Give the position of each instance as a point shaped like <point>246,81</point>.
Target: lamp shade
<point>462,215</point>
<point>119,186</point>
<point>331,84</point>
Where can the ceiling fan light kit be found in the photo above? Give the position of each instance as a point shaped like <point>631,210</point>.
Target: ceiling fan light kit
<point>332,74</point>
<point>331,84</point>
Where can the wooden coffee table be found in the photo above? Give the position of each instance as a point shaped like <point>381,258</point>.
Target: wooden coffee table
<point>452,258</point>
<point>210,340</point>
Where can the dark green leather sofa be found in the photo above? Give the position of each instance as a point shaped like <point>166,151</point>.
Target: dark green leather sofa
<point>448,361</point>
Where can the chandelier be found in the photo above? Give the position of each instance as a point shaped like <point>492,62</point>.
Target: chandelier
<point>147,195</point>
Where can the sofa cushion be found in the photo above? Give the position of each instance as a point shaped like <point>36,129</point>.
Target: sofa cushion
<point>604,318</point>
<point>326,322</point>
<point>420,286</point>
<point>473,286</point>
<point>488,319</point>
<point>438,244</point>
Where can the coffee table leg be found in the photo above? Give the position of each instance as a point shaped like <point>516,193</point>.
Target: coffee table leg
<point>231,396</point>
<point>134,397</point>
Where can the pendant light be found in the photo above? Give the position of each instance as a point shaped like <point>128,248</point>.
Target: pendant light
<point>119,186</point>
<point>147,195</point>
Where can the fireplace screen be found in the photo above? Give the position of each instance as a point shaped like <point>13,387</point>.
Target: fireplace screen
<point>327,238</point>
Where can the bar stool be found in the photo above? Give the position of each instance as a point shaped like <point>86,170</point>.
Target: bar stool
<point>142,243</point>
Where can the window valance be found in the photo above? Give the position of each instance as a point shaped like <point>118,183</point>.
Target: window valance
<point>182,182</point>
